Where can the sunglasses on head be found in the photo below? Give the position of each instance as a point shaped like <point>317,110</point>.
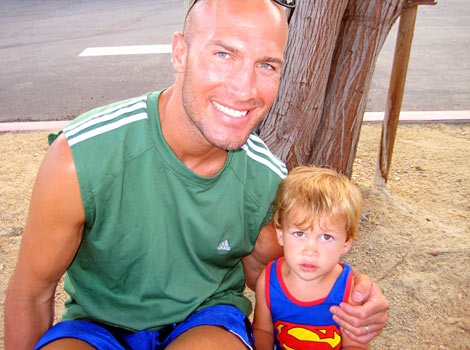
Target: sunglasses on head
<point>290,4</point>
<point>286,3</point>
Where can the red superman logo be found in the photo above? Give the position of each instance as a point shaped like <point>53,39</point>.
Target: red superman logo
<point>293,336</point>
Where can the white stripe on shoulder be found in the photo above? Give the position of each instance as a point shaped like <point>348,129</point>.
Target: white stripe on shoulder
<point>264,156</point>
<point>108,127</point>
<point>93,121</point>
<point>264,150</point>
<point>127,106</point>
<point>264,161</point>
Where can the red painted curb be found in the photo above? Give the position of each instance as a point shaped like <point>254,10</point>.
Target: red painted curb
<point>429,116</point>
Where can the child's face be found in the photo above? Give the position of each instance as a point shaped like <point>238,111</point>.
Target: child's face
<point>313,253</point>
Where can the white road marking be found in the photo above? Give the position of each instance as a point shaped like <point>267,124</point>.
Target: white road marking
<point>126,50</point>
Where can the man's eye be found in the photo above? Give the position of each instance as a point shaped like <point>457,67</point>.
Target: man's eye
<point>267,66</point>
<point>222,54</point>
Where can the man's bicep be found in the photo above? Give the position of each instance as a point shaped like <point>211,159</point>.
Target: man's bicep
<point>55,220</point>
<point>266,249</point>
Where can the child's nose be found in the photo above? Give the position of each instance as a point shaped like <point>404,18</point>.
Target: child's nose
<point>310,248</point>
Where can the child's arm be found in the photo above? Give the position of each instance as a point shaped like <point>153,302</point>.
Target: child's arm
<point>263,330</point>
<point>348,343</point>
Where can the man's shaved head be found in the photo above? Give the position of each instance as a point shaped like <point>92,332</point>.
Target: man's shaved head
<point>201,12</point>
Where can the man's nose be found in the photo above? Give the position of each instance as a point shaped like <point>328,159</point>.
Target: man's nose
<point>243,82</point>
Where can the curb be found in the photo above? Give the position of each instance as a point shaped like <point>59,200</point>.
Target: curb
<point>32,126</point>
<point>424,117</point>
<point>405,117</point>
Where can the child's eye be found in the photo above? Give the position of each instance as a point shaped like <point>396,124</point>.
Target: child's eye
<point>299,234</point>
<point>327,237</point>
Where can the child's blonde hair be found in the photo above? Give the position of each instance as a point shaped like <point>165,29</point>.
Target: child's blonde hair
<point>308,193</point>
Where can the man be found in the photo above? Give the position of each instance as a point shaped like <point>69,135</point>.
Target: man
<point>153,205</point>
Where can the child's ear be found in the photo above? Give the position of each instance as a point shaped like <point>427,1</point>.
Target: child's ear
<point>280,237</point>
<point>179,52</point>
<point>347,246</point>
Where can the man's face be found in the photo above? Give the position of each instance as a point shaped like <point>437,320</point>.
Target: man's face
<point>233,65</point>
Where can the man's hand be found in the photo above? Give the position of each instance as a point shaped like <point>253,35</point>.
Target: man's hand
<point>366,320</point>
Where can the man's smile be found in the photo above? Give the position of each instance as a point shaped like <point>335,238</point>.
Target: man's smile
<point>229,111</point>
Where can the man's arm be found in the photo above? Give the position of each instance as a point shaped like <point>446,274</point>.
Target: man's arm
<point>51,238</point>
<point>346,342</point>
<point>266,249</point>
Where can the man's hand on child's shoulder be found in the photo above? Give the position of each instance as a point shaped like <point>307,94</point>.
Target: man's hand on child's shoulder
<point>365,320</point>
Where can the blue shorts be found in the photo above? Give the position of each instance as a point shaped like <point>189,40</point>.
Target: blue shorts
<point>106,337</point>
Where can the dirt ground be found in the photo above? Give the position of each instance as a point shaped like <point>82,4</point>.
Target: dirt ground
<point>415,233</point>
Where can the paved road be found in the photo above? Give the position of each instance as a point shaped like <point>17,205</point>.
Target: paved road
<point>439,70</point>
<point>42,76</point>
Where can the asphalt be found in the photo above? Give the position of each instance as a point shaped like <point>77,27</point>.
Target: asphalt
<point>43,77</point>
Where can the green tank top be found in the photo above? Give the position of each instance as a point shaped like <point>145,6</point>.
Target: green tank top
<point>160,241</point>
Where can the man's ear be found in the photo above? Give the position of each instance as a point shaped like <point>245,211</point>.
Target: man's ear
<point>179,52</point>
<point>347,246</point>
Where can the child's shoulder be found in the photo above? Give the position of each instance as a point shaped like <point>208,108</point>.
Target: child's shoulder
<point>348,271</point>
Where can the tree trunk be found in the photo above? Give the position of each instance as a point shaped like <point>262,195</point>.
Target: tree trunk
<point>291,124</point>
<point>318,114</point>
<point>366,25</point>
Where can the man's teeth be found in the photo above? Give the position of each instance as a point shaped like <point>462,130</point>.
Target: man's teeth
<point>231,112</point>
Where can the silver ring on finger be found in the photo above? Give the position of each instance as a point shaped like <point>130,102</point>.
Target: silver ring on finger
<point>367,330</point>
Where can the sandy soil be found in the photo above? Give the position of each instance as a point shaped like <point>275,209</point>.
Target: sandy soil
<point>415,233</point>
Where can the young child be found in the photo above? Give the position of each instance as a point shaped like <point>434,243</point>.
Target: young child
<point>316,217</point>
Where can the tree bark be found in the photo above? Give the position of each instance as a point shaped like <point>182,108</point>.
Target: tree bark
<point>293,119</point>
<point>366,25</point>
<point>331,55</point>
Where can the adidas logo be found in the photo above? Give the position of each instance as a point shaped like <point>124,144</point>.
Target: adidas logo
<point>224,246</point>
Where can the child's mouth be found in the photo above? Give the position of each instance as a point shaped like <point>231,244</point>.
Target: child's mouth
<point>308,267</point>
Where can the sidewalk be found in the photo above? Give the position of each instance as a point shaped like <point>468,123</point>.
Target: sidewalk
<point>405,117</point>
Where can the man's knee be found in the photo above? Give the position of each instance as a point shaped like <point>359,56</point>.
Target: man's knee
<point>68,344</point>
<point>207,337</point>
